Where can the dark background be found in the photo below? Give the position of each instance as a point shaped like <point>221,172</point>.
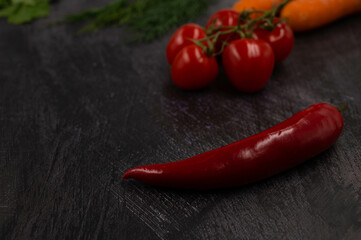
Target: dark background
<point>77,111</point>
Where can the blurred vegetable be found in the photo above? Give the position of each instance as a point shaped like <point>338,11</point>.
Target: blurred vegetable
<point>24,11</point>
<point>149,19</point>
<point>255,5</point>
<point>4,3</point>
<point>304,15</point>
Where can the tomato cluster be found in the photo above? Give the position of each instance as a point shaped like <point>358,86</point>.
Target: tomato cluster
<point>249,50</point>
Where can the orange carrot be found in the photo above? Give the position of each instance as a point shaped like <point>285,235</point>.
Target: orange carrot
<point>255,4</point>
<point>304,15</point>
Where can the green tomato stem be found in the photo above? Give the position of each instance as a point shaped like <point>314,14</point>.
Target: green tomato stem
<point>245,27</point>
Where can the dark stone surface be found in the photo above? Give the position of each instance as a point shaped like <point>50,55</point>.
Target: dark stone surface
<point>77,111</point>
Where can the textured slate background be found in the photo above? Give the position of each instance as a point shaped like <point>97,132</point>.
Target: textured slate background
<point>77,111</point>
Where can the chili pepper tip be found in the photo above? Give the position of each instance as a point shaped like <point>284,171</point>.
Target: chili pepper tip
<point>127,175</point>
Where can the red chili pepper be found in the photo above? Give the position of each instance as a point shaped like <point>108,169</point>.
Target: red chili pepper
<point>263,155</point>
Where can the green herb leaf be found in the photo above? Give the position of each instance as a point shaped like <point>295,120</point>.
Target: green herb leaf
<point>23,11</point>
<point>4,3</point>
<point>149,19</point>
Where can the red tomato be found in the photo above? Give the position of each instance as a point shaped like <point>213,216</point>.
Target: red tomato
<point>180,39</point>
<point>192,69</point>
<point>225,17</point>
<point>248,64</point>
<point>281,39</point>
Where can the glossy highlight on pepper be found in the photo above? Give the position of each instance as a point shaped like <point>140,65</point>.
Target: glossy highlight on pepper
<point>279,148</point>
